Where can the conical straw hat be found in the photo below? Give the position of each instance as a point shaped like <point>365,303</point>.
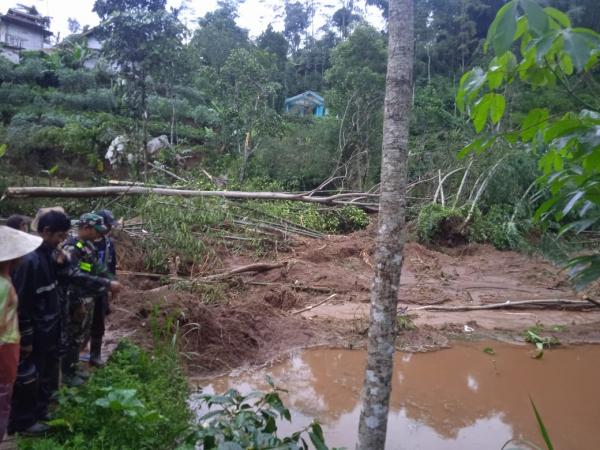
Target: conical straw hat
<point>15,243</point>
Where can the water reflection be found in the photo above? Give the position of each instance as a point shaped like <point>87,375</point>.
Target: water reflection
<point>459,398</point>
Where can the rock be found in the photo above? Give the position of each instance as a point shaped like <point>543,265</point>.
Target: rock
<point>157,144</point>
<point>120,150</point>
<point>117,151</point>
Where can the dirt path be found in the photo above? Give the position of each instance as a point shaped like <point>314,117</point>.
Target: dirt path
<point>255,317</point>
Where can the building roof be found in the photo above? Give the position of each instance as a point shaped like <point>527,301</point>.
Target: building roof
<point>311,96</point>
<point>26,19</point>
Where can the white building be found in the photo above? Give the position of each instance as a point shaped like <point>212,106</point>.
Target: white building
<point>23,29</point>
<point>94,47</point>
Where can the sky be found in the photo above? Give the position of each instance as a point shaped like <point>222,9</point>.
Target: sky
<point>254,15</point>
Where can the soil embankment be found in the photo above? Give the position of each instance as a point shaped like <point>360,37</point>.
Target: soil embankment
<point>254,317</point>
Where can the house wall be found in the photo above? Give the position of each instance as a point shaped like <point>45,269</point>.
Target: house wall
<point>21,37</point>
<point>91,62</point>
<point>93,43</point>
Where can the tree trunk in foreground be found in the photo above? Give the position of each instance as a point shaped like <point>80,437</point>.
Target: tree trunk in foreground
<point>390,238</point>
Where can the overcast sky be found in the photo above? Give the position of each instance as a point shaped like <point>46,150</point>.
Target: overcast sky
<point>254,15</point>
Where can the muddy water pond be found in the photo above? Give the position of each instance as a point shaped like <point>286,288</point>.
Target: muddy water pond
<point>459,398</point>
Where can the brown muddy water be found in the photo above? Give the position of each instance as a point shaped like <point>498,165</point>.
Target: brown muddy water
<point>459,398</point>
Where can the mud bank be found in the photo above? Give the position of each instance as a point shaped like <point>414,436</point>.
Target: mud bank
<point>252,318</point>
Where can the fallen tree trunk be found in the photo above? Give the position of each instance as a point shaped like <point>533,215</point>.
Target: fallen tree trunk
<point>561,303</point>
<point>109,191</point>
<point>260,267</point>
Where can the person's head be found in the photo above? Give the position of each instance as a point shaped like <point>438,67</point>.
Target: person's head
<point>19,222</point>
<point>13,245</point>
<point>91,227</point>
<point>109,219</point>
<point>53,227</point>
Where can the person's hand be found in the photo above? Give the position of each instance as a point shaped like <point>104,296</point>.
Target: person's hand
<point>26,351</point>
<point>115,287</point>
<point>61,256</point>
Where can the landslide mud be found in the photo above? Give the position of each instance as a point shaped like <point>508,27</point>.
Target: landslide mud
<point>254,317</point>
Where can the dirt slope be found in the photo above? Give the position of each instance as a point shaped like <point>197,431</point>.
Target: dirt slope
<point>255,317</point>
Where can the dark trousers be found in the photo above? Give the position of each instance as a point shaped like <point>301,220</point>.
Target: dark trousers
<point>37,381</point>
<point>99,318</point>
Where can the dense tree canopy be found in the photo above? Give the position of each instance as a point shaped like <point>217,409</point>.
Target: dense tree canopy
<point>218,95</point>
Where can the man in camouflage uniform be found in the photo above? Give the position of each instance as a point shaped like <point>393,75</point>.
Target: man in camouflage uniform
<point>82,253</point>
<point>108,257</point>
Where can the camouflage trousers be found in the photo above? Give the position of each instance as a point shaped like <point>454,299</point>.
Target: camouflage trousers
<point>76,332</point>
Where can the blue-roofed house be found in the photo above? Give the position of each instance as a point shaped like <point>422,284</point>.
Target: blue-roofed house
<point>305,104</point>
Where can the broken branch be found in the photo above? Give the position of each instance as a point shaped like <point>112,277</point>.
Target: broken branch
<point>308,308</point>
<point>509,304</point>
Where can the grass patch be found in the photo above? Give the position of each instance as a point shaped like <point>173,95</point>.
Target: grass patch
<point>139,400</point>
<point>405,323</point>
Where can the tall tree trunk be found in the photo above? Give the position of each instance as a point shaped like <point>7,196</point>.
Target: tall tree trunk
<point>390,238</point>
<point>145,126</point>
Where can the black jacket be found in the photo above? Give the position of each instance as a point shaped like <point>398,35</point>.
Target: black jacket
<point>36,280</point>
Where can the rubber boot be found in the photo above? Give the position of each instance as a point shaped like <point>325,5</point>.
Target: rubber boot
<point>96,352</point>
<point>70,365</point>
<point>38,429</point>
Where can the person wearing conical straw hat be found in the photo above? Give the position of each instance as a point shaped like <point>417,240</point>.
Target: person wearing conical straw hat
<point>35,280</point>
<point>13,245</point>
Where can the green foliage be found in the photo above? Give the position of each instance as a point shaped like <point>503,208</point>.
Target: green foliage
<point>249,422</point>
<point>177,225</point>
<point>326,220</point>
<point>217,35</point>
<point>551,51</point>
<point>534,336</point>
<point>497,228</point>
<point>543,430</point>
<point>302,156</point>
<point>357,80</point>
<point>430,219</point>
<point>139,400</point>
<point>405,323</point>
<point>440,224</point>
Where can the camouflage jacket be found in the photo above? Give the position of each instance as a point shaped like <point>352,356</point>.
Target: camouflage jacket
<point>87,276</point>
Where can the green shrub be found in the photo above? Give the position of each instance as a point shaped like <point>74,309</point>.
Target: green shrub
<point>7,70</point>
<point>302,156</point>
<point>250,422</point>
<point>162,108</point>
<point>444,225</point>
<point>101,100</point>
<point>139,400</point>
<point>15,94</point>
<point>31,70</point>
<point>76,80</point>
<point>431,219</point>
<point>497,228</point>
<point>203,115</point>
<point>178,226</point>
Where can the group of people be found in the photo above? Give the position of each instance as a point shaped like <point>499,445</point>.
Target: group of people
<point>54,298</point>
